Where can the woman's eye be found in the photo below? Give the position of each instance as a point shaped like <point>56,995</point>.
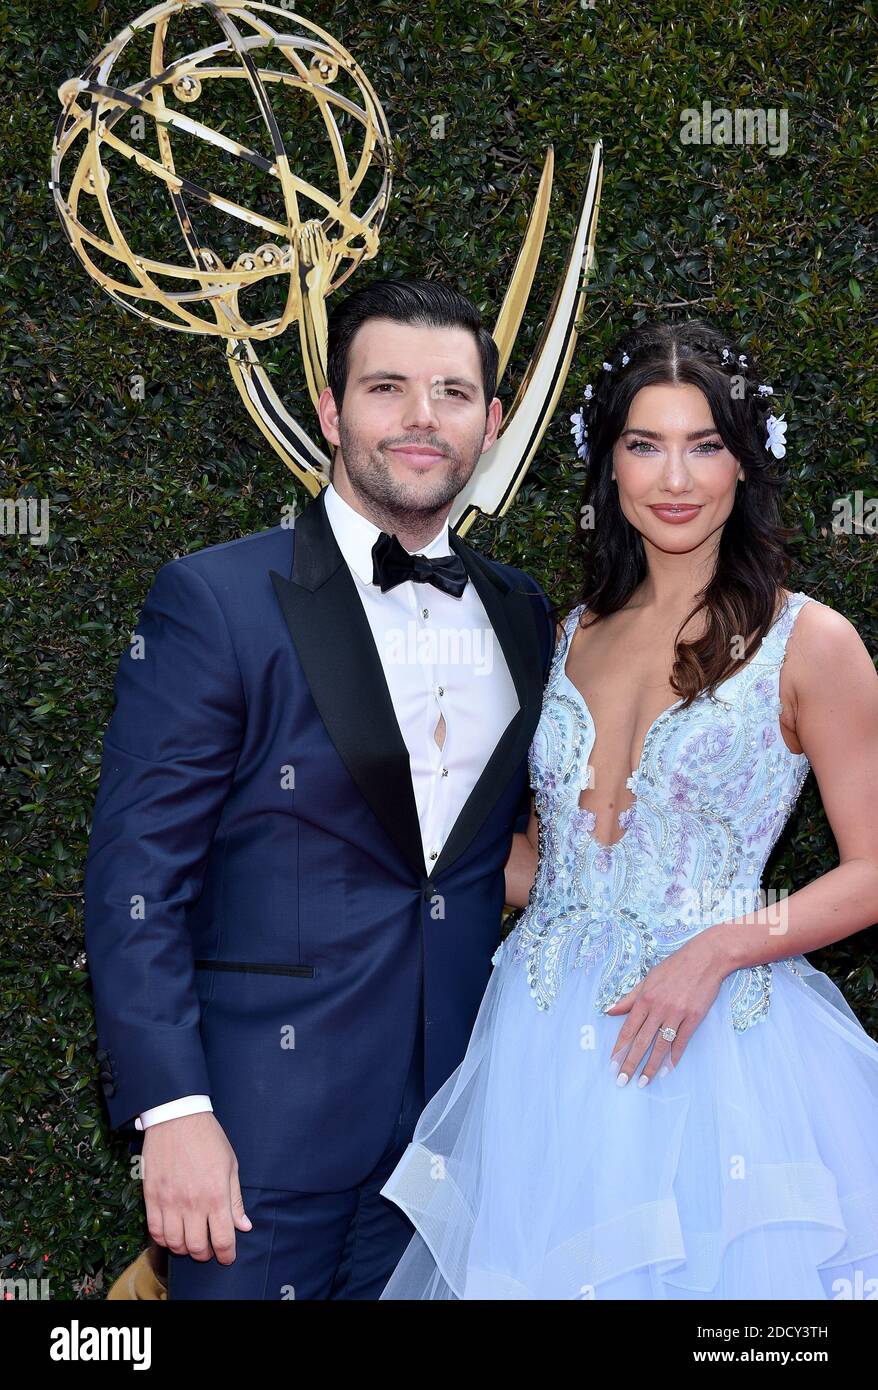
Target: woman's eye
<point>710,446</point>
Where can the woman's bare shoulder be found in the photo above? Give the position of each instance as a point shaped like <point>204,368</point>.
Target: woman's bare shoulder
<point>818,623</point>
<point>822,643</point>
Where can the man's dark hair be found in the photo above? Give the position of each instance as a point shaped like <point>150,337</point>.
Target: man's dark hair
<point>426,302</point>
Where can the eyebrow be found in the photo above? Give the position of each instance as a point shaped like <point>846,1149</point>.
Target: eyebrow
<point>652,434</point>
<point>400,376</point>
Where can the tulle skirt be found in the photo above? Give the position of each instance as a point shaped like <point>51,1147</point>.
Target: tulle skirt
<point>749,1171</point>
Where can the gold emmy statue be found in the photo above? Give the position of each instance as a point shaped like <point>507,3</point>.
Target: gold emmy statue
<point>262,47</point>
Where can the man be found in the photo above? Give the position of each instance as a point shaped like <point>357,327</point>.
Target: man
<point>309,787</point>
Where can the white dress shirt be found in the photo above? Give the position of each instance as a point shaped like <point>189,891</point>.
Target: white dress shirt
<point>441,659</point>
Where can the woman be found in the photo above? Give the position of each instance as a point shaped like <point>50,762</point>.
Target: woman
<point>661,1098</point>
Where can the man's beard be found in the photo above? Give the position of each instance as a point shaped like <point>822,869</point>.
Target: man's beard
<point>371,477</point>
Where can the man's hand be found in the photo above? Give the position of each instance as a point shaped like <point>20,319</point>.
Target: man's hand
<point>190,1187</point>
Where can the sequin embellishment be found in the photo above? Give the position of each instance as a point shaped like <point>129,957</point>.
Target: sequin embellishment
<point>714,788</point>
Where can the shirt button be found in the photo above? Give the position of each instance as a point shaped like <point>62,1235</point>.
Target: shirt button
<point>440,689</point>
<point>425,612</point>
<point>433,854</point>
<point>445,772</point>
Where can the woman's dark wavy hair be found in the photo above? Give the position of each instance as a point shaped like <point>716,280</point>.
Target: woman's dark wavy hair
<point>741,598</point>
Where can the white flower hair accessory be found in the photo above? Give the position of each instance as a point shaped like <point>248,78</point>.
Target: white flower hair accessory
<point>580,429</point>
<point>776,426</point>
<point>579,432</point>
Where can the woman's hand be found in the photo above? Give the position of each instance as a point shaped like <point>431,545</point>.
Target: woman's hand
<point>676,993</point>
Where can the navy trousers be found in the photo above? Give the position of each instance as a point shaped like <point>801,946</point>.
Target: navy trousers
<point>315,1245</point>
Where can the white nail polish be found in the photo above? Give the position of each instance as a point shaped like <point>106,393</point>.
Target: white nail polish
<point>644,1081</point>
<point>665,1069</point>
<point>622,1079</point>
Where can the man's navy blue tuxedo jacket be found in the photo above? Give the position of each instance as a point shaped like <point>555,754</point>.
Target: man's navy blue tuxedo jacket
<point>260,921</point>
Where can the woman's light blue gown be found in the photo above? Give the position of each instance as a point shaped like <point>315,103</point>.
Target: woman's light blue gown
<point>750,1170</point>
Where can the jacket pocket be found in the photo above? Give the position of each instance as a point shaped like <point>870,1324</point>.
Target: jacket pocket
<point>256,967</point>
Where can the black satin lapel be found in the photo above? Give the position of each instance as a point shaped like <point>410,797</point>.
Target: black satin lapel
<point>513,616</point>
<point>337,652</point>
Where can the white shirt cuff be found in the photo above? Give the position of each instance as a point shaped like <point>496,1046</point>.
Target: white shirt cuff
<point>172,1110</point>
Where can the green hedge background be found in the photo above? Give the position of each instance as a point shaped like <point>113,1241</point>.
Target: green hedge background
<point>776,247</point>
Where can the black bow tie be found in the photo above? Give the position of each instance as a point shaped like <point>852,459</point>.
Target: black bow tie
<point>392,564</point>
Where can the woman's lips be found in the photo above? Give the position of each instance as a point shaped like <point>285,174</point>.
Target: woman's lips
<point>675,514</point>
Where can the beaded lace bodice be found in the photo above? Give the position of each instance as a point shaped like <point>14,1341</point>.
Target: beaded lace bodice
<point>714,788</point>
